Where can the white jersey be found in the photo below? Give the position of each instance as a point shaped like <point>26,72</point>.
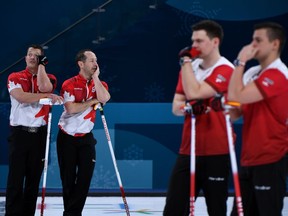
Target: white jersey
<point>78,89</point>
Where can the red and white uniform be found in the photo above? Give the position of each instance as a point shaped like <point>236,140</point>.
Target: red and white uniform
<point>32,114</point>
<point>265,132</point>
<point>211,136</point>
<point>78,89</point>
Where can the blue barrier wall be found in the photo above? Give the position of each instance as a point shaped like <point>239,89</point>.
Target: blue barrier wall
<point>145,137</point>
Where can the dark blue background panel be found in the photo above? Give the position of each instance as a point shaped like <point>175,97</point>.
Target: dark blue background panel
<point>136,44</point>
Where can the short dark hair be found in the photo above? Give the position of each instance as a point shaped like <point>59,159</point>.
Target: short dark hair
<point>81,55</point>
<point>212,28</point>
<point>274,32</point>
<point>37,46</point>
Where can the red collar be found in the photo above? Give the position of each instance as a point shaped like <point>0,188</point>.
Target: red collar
<point>82,79</point>
<point>28,73</point>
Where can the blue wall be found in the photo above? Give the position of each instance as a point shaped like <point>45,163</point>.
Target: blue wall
<point>145,137</point>
<point>136,44</point>
<point>144,153</point>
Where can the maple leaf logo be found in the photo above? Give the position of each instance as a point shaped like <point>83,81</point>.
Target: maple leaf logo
<point>43,112</point>
<point>91,115</point>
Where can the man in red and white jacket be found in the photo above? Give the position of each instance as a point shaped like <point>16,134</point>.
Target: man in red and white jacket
<point>28,121</point>
<point>75,141</point>
<point>263,93</point>
<point>199,81</point>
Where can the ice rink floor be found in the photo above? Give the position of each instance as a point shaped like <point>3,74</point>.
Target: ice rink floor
<point>105,206</point>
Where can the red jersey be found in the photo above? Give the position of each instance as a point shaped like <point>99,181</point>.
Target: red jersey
<point>78,89</point>
<point>265,134</point>
<point>211,135</point>
<point>32,114</point>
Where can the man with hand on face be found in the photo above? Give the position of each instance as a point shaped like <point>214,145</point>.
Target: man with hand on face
<point>263,93</point>
<point>199,81</point>
<point>27,141</point>
<point>75,141</point>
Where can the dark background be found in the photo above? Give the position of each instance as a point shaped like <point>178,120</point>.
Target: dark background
<point>136,42</point>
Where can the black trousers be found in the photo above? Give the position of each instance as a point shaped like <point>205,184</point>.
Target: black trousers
<point>76,158</point>
<point>26,154</point>
<point>263,189</point>
<point>212,174</point>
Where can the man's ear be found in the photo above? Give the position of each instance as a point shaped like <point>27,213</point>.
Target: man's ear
<point>276,44</point>
<point>216,41</point>
<point>80,64</point>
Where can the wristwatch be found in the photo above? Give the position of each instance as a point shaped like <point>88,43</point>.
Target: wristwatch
<point>182,61</point>
<point>238,63</point>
